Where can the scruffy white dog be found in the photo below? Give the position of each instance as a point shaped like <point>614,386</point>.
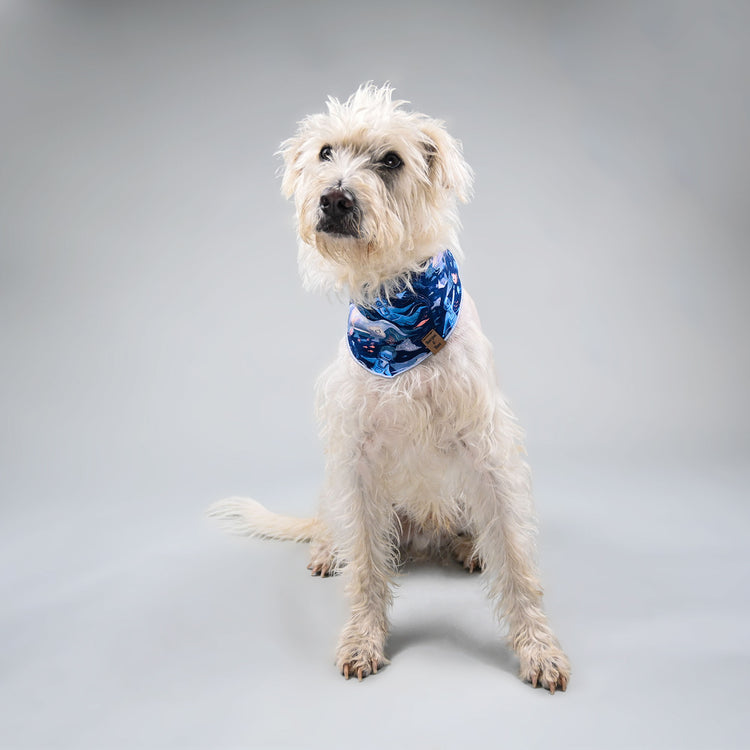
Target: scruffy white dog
<point>424,457</point>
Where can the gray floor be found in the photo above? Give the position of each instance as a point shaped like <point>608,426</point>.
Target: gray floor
<point>158,354</point>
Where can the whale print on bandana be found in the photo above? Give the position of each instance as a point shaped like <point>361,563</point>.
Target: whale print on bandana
<point>397,334</point>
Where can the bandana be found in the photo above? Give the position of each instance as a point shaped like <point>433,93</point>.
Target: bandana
<point>398,333</point>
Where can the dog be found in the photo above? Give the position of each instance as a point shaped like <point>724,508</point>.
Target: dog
<point>424,456</point>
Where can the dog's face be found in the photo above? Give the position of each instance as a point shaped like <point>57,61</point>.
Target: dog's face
<point>375,189</point>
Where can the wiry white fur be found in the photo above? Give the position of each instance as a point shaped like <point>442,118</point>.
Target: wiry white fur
<point>241,515</point>
<point>429,462</point>
<point>417,216</point>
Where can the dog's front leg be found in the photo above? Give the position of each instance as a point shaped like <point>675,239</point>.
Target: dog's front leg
<point>505,524</point>
<point>366,529</point>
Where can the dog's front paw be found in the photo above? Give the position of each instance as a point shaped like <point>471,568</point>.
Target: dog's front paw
<point>546,666</point>
<point>361,663</point>
<point>359,656</point>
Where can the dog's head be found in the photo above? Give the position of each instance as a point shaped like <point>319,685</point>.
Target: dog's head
<point>375,188</point>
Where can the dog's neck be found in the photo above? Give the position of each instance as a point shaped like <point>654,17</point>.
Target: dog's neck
<point>408,323</point>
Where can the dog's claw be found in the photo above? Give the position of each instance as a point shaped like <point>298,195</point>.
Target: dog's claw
<point>546,668</point>
<point>324,570</point>
<point>360,668</point>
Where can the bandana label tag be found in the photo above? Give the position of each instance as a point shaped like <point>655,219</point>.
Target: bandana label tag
<point>434,341</point>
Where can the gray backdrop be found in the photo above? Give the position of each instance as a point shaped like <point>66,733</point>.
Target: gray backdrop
<point>159,354</point>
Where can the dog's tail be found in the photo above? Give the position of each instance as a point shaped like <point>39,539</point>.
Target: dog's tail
<point>246,517</point>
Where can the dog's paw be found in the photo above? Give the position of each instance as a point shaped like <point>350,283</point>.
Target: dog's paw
<point>359,657</point>
<point>465,553</point>
<point>323,563</point>
<point>324,568</point>
<point>360,664</point>
<point>545,666</point>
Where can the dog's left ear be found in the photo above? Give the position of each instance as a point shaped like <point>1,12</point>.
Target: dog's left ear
<point>447,168</point>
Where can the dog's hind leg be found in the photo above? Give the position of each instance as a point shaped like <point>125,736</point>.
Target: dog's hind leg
<point>503,517</point>
<point>463,548</point>
<point>323,560</point>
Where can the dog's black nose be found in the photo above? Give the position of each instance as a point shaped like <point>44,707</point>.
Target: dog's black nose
<point>336,203</point>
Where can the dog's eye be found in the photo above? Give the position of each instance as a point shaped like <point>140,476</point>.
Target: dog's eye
<point>325,153</point>
<point>391,160</point>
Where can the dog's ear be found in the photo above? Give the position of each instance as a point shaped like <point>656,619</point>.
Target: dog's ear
<point>291,151</point>
<point>445,162</point>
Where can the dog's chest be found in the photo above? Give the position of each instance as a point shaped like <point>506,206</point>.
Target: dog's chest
<point>420,456</point>
<point>427,408</point>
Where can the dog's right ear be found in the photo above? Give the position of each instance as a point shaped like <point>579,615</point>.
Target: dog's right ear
<point>291,151</point>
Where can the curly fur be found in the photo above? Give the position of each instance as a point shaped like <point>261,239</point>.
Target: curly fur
<point>430,462</point>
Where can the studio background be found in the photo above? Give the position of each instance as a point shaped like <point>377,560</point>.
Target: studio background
<point>158,354</point>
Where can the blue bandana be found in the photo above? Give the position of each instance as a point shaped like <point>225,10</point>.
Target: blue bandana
<point>395,335</point>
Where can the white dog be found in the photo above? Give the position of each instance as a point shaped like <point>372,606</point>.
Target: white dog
<point>423,454</point>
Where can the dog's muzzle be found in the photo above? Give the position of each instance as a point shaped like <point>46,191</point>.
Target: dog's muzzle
<point>339,213</point>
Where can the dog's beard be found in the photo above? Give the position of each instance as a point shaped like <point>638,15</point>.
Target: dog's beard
<point>395,235</point>
<point>342,240</point>
<point>347,226</point>
<point>353,239</point>
<point>340,248</point>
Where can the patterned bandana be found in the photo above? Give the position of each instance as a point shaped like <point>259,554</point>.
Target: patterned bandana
<point>397,334</point>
